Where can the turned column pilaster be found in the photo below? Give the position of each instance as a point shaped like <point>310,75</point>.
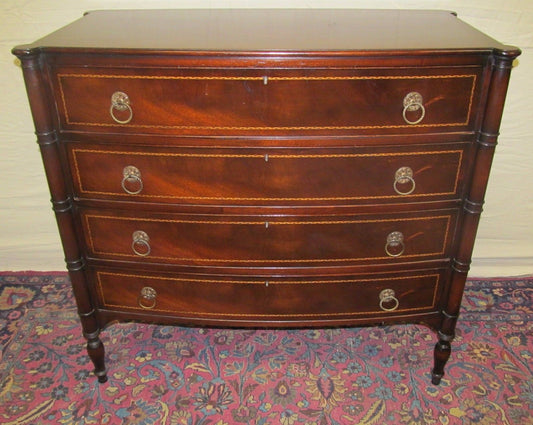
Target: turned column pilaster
<point>47,138</point>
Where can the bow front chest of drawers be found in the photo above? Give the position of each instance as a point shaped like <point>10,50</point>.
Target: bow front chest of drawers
<point>279,168</point>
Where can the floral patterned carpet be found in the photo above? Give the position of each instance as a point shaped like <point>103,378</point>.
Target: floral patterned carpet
<point>175,375</point>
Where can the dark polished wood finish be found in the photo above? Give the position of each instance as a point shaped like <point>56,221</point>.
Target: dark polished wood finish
<point>280,168</point>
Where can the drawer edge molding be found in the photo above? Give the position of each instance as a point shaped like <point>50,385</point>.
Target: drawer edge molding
<point>445,241</point>
<point>76,152</point>
<point>261,283</point>
<point>62,76</point>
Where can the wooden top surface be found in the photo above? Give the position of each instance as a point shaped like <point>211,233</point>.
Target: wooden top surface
<point>266,30</point>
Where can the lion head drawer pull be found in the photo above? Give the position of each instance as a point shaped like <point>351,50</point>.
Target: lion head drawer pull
<point>387,296</point>
<point>141,243</point>
<point>147,298</point>
<point>131,176</point>
<point>404,176</point>
<point>120,102</point>
<point>394,246</point>
<point>413,102</point>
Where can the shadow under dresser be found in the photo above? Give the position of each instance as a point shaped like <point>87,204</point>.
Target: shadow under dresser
<point>267,168</point>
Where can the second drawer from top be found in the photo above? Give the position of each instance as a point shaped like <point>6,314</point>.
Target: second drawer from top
<point>269,177</point>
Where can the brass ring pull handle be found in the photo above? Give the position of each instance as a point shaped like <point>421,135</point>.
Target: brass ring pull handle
<point>394,246</point>
<point>387,296</point>
<point>413,102</point>
<point>120,102</point>
<point>147,298</point>
<point>133,175</point>
<point>141,243</point>
<point>404,175</point>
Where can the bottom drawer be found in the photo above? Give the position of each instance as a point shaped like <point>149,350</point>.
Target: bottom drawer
<point>257,300</point>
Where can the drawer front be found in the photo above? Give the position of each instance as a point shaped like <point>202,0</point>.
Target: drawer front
<point>268,241</point>
<point>248,177</point>
<point>254,299</point>
<point>265,101</point>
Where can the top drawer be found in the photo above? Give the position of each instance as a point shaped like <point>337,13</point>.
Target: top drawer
<point>266,101</point>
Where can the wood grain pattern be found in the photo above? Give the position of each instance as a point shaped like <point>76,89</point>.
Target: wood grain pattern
<point>227,101</point>
<point>268,300</point>
<point>268,177</point>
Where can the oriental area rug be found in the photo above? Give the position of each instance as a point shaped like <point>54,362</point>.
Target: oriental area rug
<point>200,376</point>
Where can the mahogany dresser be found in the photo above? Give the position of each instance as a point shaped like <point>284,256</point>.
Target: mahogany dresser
<point>267,168</point>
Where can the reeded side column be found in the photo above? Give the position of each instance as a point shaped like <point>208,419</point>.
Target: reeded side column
<point>473,204</point>
<point>47,139</point>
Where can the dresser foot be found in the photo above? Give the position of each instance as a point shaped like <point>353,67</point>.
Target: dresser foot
<point>435,379</point>
<point>441,355</point>
<point>102,378</point>
<point>96,352</point>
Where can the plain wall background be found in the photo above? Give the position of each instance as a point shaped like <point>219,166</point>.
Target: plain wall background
<point>28,233</point>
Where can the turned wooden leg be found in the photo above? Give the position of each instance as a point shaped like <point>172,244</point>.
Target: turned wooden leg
<point>95,349</point>
<point>89,322</point>
<point>441,355</point>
